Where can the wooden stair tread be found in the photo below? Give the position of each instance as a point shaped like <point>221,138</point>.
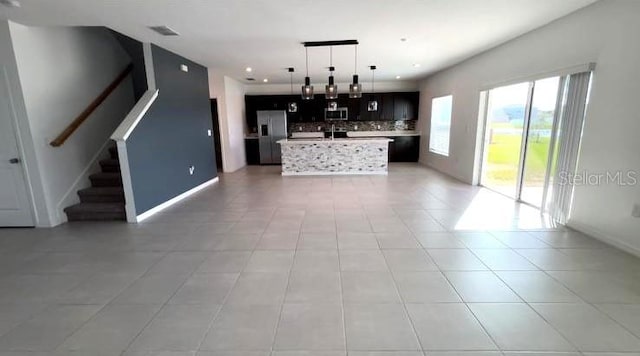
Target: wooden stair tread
<point>96,208</point>
<point>101,191</point>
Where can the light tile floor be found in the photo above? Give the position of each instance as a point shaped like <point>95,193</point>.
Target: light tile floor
<point>258,264</point>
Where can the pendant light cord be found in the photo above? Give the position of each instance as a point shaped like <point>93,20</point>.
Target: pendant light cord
<point>355,65</point>
<point>330,57</point>
<point>373,80</point>
<point>306,51</point>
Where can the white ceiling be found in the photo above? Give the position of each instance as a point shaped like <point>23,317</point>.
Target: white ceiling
<point>266,34</point>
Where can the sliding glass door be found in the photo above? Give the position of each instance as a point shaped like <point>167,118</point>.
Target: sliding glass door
<point>518,131</point>
<point>505,125</point>
<point>536,157</point>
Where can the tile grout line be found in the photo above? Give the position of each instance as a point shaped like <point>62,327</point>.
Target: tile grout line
<point>104,306</point>
<point>342,306</point>
<point>404,307</point>
<point>466,305</point>
<point>286,289</point>
<point>222,305</point>
<point>162,306</point>
<point>527,303</point>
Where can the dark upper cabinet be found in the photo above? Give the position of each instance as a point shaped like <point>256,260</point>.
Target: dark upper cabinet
<point>391,106</point>
<point>386,106</point>
<point>406,106</point>
<point>305,107</point>
<point>353,105</point>
<point>250,103</point>
<point>319,104</point>
<point>292,117</point>
<point>343,100</point>
<point>365,114</point>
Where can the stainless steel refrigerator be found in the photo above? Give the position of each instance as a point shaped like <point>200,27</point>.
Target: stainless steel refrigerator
<point>272,126</point>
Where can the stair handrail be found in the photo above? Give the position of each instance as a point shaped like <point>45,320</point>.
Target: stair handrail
<point>75,124</point>
<point>136,114</point>
<point>120,135</point>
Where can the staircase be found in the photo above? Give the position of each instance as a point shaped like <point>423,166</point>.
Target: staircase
<point>104,200</point>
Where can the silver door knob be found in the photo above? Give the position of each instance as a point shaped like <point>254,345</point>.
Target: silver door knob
<point>14,160</point>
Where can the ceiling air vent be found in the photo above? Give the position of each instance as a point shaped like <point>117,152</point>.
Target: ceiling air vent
<point>251,79</point>
<point>10,3</point>
<point>164,30</point>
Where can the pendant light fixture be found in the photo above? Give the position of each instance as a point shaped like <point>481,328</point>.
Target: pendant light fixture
<point>373,104</point>
<point>355,88</point>
<point>292,106</point>
<point>307,88</point>
<point>331,89</point>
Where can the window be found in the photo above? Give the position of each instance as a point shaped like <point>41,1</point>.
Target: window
<point>440,124</point>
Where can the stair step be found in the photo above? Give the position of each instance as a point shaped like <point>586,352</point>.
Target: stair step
<point>108,179</point>
<point>110,165</point>
<point>102,195</point>
<point>96,212</point>
<point>113,151</point>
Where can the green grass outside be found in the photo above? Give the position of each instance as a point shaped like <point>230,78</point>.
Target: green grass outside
<point>503,156</point>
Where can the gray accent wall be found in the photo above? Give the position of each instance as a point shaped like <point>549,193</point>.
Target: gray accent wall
<point>135,51</point>
<point>173,134</point>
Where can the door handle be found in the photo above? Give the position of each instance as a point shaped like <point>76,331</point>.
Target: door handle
<point>14,160</point>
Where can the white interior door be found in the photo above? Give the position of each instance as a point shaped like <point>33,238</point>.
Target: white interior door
<point>15,207</point>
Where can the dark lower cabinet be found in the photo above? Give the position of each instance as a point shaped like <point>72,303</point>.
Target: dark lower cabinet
<point>404,149</point>
<point>252,151</point>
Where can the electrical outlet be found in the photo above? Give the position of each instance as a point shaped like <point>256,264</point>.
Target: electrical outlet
<point>635,212</point>
<point>191,170</point>
<point>209,132</point>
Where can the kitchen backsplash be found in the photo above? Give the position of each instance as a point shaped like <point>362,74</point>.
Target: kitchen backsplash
<point>354,126</point>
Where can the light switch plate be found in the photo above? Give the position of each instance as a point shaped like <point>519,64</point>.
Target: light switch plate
<point>209,132</point>
<point>184,68</point>
<point>191,170</point>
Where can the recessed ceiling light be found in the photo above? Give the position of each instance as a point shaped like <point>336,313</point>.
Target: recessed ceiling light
<point>416,65</point>
<point>165,30</point>
<point>265,80</point>
<point>403,39</point>
<point>397,77</point>
<point>248,69</point>
<point>10,3</point>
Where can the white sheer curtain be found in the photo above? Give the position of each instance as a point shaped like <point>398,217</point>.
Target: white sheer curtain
<point>569,132</point>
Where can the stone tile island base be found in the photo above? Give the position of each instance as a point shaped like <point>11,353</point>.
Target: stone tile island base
<point>335,157</point>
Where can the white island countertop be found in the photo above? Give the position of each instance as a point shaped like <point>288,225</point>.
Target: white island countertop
<point>395,133</point>
<point>348,140</point>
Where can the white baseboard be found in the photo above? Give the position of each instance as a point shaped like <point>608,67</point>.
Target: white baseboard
<point>174,200</point>
<point>82,181</point>
<point>379,173</point>
<point>599,235</point>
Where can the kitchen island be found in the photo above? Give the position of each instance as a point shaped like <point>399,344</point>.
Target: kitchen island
<point>340,156</point>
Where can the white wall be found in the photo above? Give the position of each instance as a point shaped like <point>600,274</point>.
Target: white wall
<point>61,70</point>
<point>605,33</point>
<point>231,115</point>
<point>262,88</point>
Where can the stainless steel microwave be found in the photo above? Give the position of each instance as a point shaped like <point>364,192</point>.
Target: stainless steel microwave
<point>337,114</point>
